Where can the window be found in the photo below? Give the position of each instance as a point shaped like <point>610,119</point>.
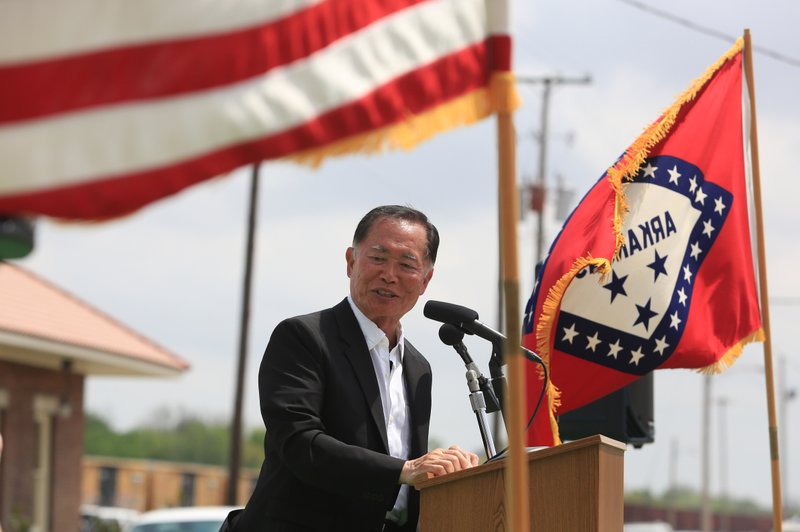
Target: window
<point>108,486</point>
<point>187,489</point>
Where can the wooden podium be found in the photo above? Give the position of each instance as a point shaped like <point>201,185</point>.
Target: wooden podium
<point>575,487</point>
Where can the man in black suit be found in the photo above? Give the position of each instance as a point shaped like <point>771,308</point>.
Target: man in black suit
<point>346,398</point>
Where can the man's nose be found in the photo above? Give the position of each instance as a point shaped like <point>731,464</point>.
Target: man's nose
<point>389,272</point>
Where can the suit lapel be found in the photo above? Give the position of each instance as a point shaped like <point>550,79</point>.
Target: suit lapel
<point>355,349</point>
<point>418,382</point>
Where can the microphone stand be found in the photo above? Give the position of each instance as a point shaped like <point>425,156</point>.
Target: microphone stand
<point>477,384</point>
<point>498,379</point>
<point>478,403</point>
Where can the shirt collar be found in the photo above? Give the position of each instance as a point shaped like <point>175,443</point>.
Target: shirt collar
<point>372,333</point>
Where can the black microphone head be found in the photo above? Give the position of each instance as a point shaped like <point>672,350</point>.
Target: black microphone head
<point>449,312</point>
<point>450,334</point>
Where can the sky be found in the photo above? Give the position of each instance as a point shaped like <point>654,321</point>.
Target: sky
<point>173,271</point>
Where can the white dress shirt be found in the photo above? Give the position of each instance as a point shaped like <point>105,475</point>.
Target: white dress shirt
<point>389,372</point>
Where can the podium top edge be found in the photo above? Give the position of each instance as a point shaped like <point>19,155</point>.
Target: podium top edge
<point>533,453</point>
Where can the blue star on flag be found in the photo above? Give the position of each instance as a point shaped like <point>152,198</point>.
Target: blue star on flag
<point>658,266</point>
<point>645,315</point>
<point>617,285</point>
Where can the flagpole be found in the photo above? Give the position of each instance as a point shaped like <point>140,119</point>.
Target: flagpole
<point>516,470</point>
<point>762,279</point>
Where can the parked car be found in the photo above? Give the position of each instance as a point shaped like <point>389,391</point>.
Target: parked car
<point>791,525</point>
<point>186,519</point>
<point>96,518</point>
<point>655,526</point>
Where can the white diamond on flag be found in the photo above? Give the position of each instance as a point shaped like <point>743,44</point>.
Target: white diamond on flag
<point>633,319</point>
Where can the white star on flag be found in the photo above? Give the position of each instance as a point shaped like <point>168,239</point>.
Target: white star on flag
<point>674,320</point>
<point>661,345</point>
<point>695,250</point>
<point>687,274</point>
<point>674,175</point>
<point>592,341</point>
<point>614,348</point>
<point>636,356</point>
<point>719,206</point>
<point>701,197</point>
<point>570,333</point>
<point>682,297</point>
<point>708,228</point>
<point>650,171</point>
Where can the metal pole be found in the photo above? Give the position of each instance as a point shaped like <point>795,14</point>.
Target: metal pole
<point>784,396</point>
<point>673,483</point>
<point>724,517</point>
<point>235,450</point>
<point>705,508</point>
<point>543,168</point>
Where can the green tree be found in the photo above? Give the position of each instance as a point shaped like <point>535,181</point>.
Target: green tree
<point>183,437</point>
<point>683,497</point>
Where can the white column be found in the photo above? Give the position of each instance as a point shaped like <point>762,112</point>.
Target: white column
<point>44,408</point>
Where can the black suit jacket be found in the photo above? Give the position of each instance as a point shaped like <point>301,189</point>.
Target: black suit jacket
<point>326,464</point>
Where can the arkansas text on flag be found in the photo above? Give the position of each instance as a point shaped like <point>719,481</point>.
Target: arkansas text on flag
<point>654,267</point>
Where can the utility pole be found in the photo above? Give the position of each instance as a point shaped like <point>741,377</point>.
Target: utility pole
<point>722,402</point>
<point>672,518</point>
<point>547,83</point>
<point>235,456</point>
<point>784,396</point>
<point>705,488</point>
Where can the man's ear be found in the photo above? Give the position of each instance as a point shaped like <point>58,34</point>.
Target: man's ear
<point>349,256</point>
<point>426,280</point>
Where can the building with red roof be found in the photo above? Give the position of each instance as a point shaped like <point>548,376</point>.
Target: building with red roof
<point>50,341</point>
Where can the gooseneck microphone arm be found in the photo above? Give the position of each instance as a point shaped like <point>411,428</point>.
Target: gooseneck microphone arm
<point>453,336</point>
<point>466,320</point>
<point>478,386</point>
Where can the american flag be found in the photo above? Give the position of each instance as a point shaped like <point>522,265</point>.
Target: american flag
<point>107,105</point>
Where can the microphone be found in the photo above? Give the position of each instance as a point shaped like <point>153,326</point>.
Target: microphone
<point>452,335</point>
<point>449,334</point>
<point>465,319</point>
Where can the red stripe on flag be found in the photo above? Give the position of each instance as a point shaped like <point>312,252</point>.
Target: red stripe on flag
<point>167,68</point>
<point>413,93</point>
<point>499,52</point>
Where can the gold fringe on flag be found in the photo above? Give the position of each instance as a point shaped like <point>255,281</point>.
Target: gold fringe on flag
<point>464,110</point>
<point>549,309</point>
<point>732,354</point>
<point>623,171</point>
<point>633,158</point>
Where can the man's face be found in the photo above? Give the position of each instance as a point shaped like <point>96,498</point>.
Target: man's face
<point>388,271</point>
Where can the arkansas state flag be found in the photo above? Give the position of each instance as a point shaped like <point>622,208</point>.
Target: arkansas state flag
<point>654,267</point>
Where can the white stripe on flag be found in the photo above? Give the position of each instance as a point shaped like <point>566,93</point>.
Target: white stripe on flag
<point>83,146</point>
<point>42,29</point>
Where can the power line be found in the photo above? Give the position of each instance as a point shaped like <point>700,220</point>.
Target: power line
<point>710,31</point>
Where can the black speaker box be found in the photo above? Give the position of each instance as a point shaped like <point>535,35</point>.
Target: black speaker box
<point>625,415</point>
